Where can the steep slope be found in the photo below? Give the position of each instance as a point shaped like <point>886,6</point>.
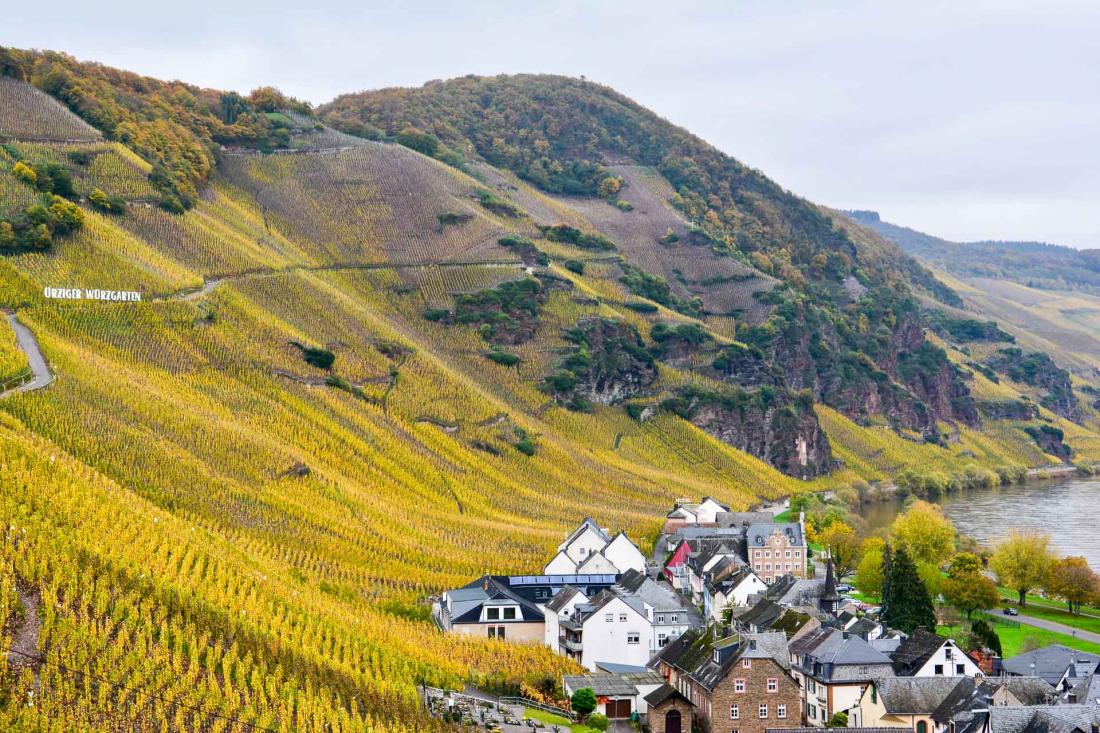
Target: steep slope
<point>359,375</point>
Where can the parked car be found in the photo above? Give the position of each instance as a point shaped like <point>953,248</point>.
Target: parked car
<point>1010,612</point>
<point>844,588</point>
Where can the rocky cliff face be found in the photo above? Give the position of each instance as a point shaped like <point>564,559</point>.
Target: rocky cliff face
<point>606,364</point>
<point>888,369</point>
<point>1036,369</point>
<point>774,425</point>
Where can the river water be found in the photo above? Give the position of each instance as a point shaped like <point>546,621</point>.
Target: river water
<point>1066,509</point>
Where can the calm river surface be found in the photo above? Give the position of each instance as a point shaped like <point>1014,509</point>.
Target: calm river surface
<point>1066,509</point>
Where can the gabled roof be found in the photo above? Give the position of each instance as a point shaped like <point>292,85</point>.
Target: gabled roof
<point>829,646</point>
<point>761,616</point>
<point>1050,662</point>
<point>611,685</point>
<point>769,645</point>
<point>914,652</point>
<point>686,651</point>
<point>1028,690</point>
<point>586,523</point>
<point>466,602</point>
<point>667,692</point>
<point>917,695</point>
<point>659,596</point>
<point>863,628</point>
<point>561,600</point>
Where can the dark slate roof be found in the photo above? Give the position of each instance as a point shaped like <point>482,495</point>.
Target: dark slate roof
<point>739,519</point>
<point>761,616</point>
<point>663,693</point>
<point>1044,719</point>
<point>611,685</point>
<point>563,596</point>
<point>1049,662</point>
<point>466,602</point>
<point>835,650</point>
<point>1028,690</point>
<point>912,653</point>
<point>1086,692</point>
<point>917,695</point>
<point>686,651</point>
<point>621,669</point>
<point>862,628</point>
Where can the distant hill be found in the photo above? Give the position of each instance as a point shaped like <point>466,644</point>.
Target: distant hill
<point>1035,264</point>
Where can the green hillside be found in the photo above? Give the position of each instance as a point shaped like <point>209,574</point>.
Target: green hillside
<point>370,362</point>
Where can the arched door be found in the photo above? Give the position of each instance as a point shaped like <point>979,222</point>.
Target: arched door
<point>922,726</point>
<point>672,721</point>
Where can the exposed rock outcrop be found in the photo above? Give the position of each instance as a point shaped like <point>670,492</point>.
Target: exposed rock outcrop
<point>1038,370</point>
<point>606,364</point>
<point>774,425</point>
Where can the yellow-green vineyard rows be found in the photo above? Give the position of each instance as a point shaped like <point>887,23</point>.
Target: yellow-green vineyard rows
<point>149,496</point>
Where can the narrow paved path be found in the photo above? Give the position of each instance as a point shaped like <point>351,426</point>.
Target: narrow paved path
<point>28,344</point>
<point>1051,626</point>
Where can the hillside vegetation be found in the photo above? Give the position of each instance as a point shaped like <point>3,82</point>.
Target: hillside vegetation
<point>363,371</point>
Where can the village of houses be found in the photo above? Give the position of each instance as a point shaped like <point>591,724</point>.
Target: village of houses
<point>732,627</point>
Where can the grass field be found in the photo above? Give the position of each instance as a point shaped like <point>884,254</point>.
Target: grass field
<point>552,720</point>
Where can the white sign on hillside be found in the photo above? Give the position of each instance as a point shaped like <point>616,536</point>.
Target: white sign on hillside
<point>93,294</point>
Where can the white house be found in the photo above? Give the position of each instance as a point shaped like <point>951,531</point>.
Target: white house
<point>624,554</point>
<point>611,628</point>
<point>925,654</point>
<point>733,590</point>
<point>561,607</point>
<point>589,550</point>
<point>685,513</point>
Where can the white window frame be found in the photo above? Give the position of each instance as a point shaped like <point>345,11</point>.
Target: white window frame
<point>735,712</point>
<point>781,711</point>
<point>763,711</point>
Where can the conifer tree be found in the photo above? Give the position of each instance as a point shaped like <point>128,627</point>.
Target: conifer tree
<point>906,603</point>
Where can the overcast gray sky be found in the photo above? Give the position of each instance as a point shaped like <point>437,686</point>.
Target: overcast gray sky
<point>969,120</point>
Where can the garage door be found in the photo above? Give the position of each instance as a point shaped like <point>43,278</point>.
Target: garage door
<point>618,708</point>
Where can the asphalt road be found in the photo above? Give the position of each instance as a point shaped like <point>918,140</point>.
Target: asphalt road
<point>29,345</point>
<point>1050,626</point>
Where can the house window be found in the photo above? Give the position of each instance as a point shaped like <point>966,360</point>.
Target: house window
<point>812,687</point>
<point>609,617</point>
<point>813,711</point>
<point>509,614</point>
<point>798,553</point>
<point>947,652</point>
<point>746,664</point>
<point>768,566</point>
<point>939,669</point>
<point>788,553</point>
<point>622,618</point>
<point>492,614</point>
<point>632,637</point>
<point>735,712</point>
<point>773,684</point>
<point>960,669</point>
<point>739,685</point>
<point>584,551</point>
<point>788,566</point>
<point>662,639</point>
<point>496,632</point>
<point>781,711</point>
<point>764,710</point>
<point>767,553</point>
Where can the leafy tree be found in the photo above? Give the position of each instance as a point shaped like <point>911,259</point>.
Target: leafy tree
<point>839,720</point>
<point>924,533</point>
<point>25,173</point>
<point>421,142</point>
<point>844,547</point>
<point>906,603</point>
<point>966,588</point>
<point>869,570</point>
<point>1072,580</point>
<point>1022,562</point>
<point>583,701</point>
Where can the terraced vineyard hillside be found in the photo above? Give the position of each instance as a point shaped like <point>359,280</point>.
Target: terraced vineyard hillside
<point>359,375</point>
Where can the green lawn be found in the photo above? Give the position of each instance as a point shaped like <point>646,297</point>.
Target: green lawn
<point>786,516</point>
<point>1013,639</point>
<point>551,719</point>
<point>1035,600</point>
<point>1086,623</point>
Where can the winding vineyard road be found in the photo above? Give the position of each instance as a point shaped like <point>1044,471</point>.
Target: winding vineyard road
<point>208,286</point>
<point>28,344</point>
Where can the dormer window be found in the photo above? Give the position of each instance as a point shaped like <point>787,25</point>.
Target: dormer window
<point>746,664</point>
